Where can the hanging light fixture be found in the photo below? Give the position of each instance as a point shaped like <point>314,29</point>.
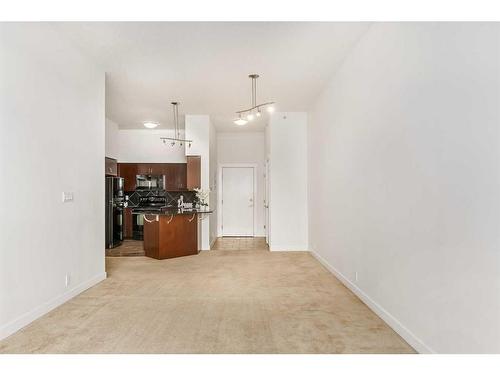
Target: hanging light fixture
<point>177,130</point>
<point>246,115</point>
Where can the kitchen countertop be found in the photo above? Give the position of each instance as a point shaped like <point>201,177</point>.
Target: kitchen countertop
<point>171,211</point>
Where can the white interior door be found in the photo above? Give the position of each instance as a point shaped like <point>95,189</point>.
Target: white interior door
<point>238,199</point>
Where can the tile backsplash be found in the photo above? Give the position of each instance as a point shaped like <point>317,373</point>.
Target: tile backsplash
<point>171,196</point>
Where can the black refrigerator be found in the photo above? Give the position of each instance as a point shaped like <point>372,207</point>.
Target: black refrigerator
<point>115,202</point>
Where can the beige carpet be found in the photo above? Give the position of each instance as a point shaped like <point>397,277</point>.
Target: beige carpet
<point>245,301</point>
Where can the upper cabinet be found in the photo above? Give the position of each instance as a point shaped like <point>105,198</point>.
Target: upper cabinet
<point>156,168</point>
<point>193,172</point>
<point>128,171</point>
<point>144,168</point>
<point>111,167</point>
<point>175,174</point>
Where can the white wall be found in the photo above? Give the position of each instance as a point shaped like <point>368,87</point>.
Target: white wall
<point>145,146</point>
<point>404,181</point>
<point>51,140</point>
<point>111,139</point>
<point>288,181</point>
<point>213,182</point>
<point>198,130</point>
<point>246,147</point>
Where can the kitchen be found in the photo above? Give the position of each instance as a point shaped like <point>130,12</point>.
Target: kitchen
<point>158,209</point>
<point>141,196</point>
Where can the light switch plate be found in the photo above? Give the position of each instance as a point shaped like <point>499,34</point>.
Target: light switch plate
<point>67,196</point>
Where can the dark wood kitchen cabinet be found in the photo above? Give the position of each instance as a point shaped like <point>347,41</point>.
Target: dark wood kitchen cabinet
<point>171,236</point>
<point>193,172</point>
<point>144,168</point>
<point>175,176</point>
<point>156,168</point>
<point>127,223</point>
<point>111,167</point>
<point>128,171</point>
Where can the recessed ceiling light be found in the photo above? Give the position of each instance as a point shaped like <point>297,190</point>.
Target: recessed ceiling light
<point>150,125</point>
<point>240,121</point>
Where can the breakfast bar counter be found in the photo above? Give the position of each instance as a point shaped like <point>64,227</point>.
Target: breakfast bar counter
<point>171,232</point>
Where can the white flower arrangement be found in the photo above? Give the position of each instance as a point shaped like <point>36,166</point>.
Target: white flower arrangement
<point>202,196</point>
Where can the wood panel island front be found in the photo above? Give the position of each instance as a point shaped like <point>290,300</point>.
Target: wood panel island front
<point>172,233</point>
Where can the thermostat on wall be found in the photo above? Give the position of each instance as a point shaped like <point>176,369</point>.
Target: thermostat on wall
<point>67,196</point>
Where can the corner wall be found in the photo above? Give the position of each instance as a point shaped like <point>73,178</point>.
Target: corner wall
<point>112,148</point>
<point>404,177</point>
<point>198,130</point>
<point>288,181</point>
<point>51,140</point>
<point>213,182</point>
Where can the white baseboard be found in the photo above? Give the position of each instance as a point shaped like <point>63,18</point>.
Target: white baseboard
<point>25,319</point>
<point>395,324</point>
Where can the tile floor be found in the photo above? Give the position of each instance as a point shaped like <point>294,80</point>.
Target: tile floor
<point>240,243</point>
<point>129,248</point>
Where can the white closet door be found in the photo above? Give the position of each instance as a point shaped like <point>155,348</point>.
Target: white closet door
<point>238,201</point>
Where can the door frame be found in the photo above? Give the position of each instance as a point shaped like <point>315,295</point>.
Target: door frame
<point>267,199</point>
<point>220,167</point>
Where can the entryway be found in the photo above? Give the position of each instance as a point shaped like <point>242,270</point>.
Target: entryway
<point>240,243</point>
<point>238,200</point>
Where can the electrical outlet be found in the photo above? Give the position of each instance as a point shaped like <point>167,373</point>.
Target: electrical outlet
<point>67,196</point>
<point>356,276</point>
<point>67,280</point>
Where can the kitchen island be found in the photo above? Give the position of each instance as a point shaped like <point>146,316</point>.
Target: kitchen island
<point>171,232</point>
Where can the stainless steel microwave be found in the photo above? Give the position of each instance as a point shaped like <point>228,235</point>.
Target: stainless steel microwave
<point>150,182</point>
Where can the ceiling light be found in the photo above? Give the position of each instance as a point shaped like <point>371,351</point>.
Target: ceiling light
<point>270,109</point>
<point>150,125</point>
<point>249,112</point>
<point>240,121</point>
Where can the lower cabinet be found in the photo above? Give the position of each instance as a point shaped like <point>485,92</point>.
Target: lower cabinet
<point>127,223</point>
<point>170,236</point>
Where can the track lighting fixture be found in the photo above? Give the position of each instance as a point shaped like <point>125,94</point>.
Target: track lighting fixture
<point>255,110</point>
<point>177,130</point>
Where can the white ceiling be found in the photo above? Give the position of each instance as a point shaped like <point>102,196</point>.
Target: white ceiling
<point>204,65</point>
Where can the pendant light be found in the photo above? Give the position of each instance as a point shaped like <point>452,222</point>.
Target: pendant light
<point>246,115</point>
<point>177,130</point>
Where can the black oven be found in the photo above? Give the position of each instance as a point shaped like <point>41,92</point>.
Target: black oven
<point>146,204</point>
